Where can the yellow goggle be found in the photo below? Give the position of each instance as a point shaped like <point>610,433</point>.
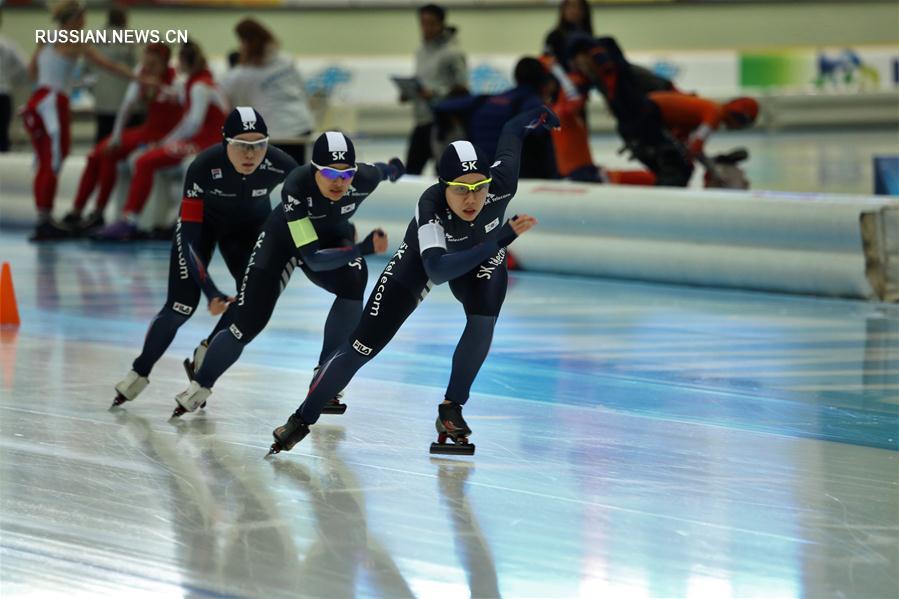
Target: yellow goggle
<point>465,188</point>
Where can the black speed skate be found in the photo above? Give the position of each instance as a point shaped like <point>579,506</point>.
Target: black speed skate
<point>288,435</point>
<point>334,406</point>
<point>450,425</point>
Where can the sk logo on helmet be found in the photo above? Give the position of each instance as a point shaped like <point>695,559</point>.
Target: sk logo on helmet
<point>338,156</point>
<point>247,125</point>
<point>468,166</point>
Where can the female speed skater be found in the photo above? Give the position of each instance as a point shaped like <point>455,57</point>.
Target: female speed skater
<point>458,236</point>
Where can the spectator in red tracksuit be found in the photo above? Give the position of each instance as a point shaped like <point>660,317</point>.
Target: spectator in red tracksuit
<point>163,113</point>
<point>205,110</point>
<point>46,115</point>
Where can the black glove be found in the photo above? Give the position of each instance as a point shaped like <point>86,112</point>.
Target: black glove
<point>397,169</point>
<point>542,116</point>
<point>506,234</point>
<point>367,245</point>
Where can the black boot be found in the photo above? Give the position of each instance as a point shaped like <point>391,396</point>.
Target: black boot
<point>289,434</point>
<point>450,425</point>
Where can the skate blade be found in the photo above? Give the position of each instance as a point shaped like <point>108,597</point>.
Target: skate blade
<point>452,448</point>
<point>338,408</point>
<point>189,369</point>
<point>119,400</point>
<point>178,412</point>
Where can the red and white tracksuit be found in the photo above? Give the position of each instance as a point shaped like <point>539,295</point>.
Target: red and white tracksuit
<point>199,128</point>
<point>164,111</point>
<point>48,122</point>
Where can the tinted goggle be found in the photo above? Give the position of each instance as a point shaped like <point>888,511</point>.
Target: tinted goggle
<point>336,173</point>
<point>248,146</point>
<point>460,188</point>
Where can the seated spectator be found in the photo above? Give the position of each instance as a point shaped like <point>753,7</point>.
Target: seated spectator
<point>201,127</point>
<point>163,113</point>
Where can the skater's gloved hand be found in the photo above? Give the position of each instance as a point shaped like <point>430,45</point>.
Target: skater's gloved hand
<point>540,117</point>
<point>219,304</point>
<point>527,122</point>
<point>397,169</point>
<point>543,116</point>
<point>374,243</point>
<point>515,226</point>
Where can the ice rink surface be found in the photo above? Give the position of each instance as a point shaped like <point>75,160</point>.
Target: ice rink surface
<point>633,440</point>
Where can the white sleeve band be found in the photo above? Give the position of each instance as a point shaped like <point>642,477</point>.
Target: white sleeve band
<point>431,235</point>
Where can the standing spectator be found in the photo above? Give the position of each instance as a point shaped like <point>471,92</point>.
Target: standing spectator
<point>483,118</point>
<point>13,70</point>
<point>574,17</point>
<point>108,90</point>
<point>47,117</point>
<point>441,72</point>
<point>270,82</point>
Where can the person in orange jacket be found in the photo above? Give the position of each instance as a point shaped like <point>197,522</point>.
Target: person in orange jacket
<point>571,141</point>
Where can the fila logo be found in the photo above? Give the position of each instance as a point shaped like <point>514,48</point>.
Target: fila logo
<point>491,225</point>
<point>362,349</point>
<point>259,192</point>
<point>216,173</point>
<point>469,165</point>
<point>236,332</point>
<point>181,308</point>
<point>338,156</point>
<point>348,208</point>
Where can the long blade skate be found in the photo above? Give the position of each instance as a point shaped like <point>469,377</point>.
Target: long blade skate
<point>179,411</point>
<point>287,435</point>
<point>459,445</point>
<point>129,388</point>
<point>451,426</point>
<point>334,406</point>
<point>190,399</point>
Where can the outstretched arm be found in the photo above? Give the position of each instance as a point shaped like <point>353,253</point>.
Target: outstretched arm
<point>508,149</point>
<point>93,55</point>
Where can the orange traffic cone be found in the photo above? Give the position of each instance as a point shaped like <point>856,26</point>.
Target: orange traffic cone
<point>9,312</point>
